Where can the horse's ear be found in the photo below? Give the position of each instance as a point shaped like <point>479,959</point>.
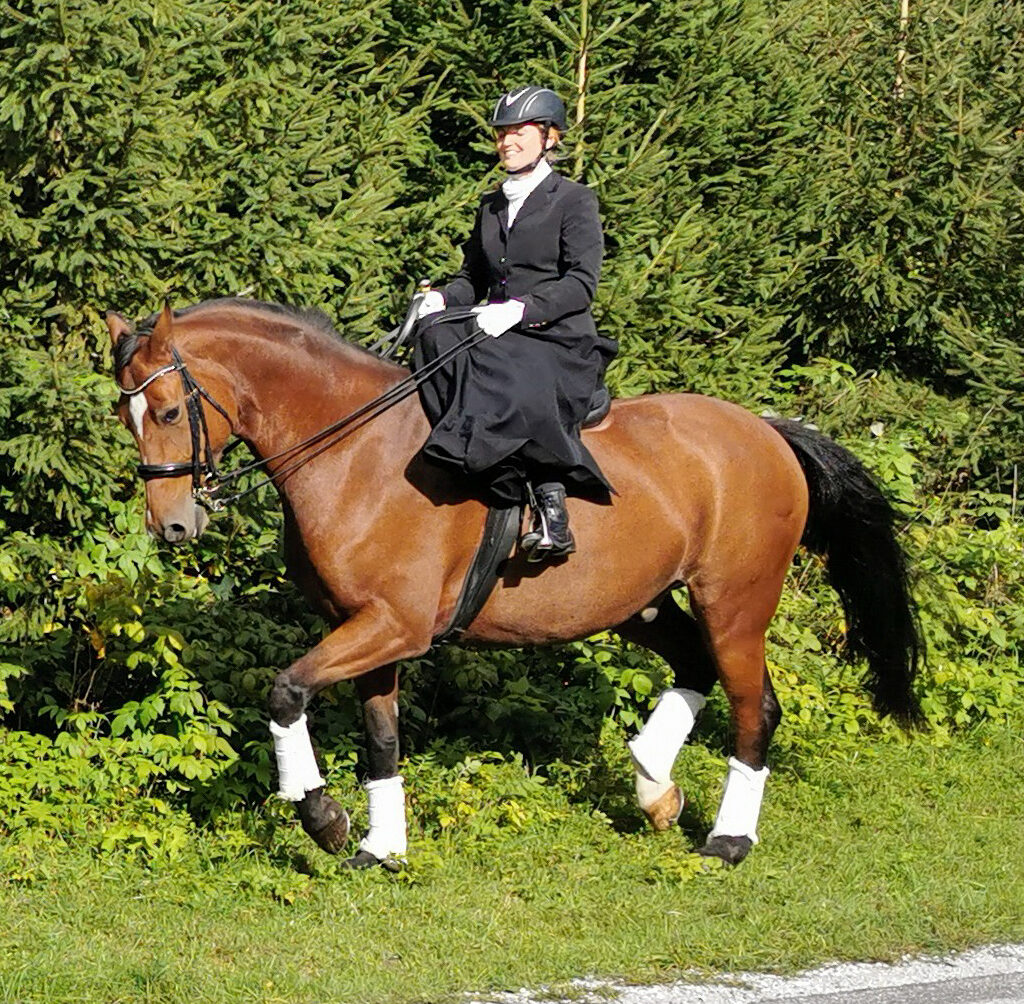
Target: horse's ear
<point>117,325</point>
<point>160,339</point>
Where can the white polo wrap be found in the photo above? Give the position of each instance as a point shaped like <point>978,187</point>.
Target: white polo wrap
<point>655,748</point>
<point>297,771</point>
<point>386,837</point>
<point>741,801</point>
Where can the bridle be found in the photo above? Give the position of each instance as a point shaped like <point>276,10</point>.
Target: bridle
<point>203,466</point>
<point>208,481</point>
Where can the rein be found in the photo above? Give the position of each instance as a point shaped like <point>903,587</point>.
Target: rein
<point>208,482</point>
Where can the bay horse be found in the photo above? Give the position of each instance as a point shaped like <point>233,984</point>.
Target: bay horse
<point>710,498</point>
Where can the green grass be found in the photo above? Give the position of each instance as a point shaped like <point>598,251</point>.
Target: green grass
<point>904,847</point>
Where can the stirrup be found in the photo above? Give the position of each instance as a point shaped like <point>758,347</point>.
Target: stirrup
<point>536,543</point>
<point>538,534</point>
<point>545,550</point>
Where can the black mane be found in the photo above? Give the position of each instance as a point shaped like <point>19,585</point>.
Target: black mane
<point>124,350</point>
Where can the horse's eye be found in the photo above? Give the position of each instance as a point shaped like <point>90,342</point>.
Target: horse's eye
<point>170,416</point>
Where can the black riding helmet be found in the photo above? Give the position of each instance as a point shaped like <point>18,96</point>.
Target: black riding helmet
<point>529,104</point>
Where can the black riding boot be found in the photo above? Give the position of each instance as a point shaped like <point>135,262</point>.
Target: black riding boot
<point>550,536</point>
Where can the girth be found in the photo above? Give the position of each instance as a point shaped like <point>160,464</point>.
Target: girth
<point>501,530</point>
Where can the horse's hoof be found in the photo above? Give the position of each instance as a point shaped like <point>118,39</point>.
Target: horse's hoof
<point>364,859</point>
<point>664,811</point>
<point>334,836</point>
<point>324,820</point>
<point>732,850</point>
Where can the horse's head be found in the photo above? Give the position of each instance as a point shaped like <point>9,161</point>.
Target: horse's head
<point>178,434</point>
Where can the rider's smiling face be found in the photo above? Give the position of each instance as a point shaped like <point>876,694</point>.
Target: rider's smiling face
<point>519,146</point>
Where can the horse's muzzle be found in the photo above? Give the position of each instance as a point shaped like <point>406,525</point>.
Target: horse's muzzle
<point>187,526</point>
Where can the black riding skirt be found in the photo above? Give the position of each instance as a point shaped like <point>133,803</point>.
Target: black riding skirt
<point>509,409</point>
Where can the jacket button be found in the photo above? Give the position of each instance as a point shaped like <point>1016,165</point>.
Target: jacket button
<point>503,260</point>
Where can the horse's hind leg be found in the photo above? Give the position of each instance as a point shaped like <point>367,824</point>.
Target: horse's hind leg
<point>676,637</point>
<point>735,625</point>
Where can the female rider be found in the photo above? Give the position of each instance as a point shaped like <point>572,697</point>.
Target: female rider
<point>507,412</point>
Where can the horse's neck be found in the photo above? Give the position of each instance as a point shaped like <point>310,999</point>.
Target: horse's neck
<point>289,387</point>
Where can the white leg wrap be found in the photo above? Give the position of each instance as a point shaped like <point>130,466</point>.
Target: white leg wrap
<point>386,837</point>
<point>655,748</point>
<point>296,766</point>
<point>741,801</point>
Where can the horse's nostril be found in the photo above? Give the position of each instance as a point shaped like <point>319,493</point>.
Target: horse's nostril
<point>175,532</point>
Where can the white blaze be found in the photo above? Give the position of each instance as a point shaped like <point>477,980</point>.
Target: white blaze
<point>137,408</point>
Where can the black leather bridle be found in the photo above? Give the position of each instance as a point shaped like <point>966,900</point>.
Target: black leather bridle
<point>203,465</point>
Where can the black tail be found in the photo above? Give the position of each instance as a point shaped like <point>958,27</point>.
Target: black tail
<point>850,523</point>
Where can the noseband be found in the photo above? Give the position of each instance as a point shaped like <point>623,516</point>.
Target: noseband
<point>202,467</point>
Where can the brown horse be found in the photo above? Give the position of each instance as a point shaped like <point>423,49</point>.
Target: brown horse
<point>709,497</point>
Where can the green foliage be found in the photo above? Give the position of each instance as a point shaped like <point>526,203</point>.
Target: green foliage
<point>482,796</point>
<point>545,703</point>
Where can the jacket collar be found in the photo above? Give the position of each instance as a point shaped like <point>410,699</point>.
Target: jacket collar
<point>538,199</point>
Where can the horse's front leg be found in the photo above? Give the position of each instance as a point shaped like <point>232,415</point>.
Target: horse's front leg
<point>385,842</point>
<point>372,636</point>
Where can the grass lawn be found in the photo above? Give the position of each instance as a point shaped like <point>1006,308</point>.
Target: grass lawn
<point>903,847</point>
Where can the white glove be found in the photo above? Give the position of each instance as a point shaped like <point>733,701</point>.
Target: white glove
<point>496,318</point>
<point>432,302</point>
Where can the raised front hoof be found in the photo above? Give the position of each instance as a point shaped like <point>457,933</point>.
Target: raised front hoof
<point>662,813</point>
<point>732,850</point>
<point>364,859</point>
<point>324,820</point>
<point>333,837</point>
